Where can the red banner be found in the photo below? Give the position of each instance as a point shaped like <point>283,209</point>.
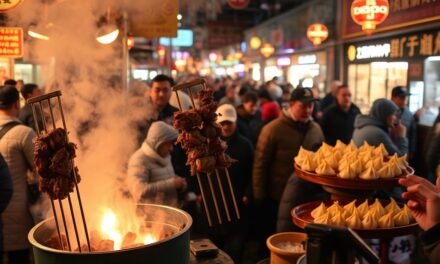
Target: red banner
<point>402,13</point>
<point>11,42</point>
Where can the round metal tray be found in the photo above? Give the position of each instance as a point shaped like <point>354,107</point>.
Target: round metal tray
<point>301,217</point>
<point>356,184</point>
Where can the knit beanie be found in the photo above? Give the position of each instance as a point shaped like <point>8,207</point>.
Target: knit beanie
<point>160,132</point>
<point>382,109</point>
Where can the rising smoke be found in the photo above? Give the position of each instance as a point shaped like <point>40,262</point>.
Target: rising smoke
<point>100,115</point>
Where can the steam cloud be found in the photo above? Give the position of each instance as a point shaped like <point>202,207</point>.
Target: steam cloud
<point>82,68</point>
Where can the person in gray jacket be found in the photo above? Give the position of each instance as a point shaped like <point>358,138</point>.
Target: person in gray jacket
<point>18,151</point>
<point>150,175</point>
<point>381,126</point>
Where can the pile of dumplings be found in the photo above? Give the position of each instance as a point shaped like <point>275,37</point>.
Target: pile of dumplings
<point>364,216</point>
<point>349,162</point>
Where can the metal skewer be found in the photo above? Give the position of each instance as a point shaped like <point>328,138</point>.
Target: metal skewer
<point>39,100</point>
<point>211,185</point>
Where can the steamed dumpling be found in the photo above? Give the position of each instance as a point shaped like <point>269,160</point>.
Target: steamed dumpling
<point>386,221</point>
<point>334,209</point>
<point>325,149</point>
<point>366,147</point>
<point>401,161</point>
<point>347,173</point>
<point>351,146</point>
<point>309,164</point>
<point>325,169</point>
<point>369,221</point>
<point>376,163</point>
<point>369,174</point>
<point>332,161</point>
<point>318,211</point>
<point>348,209</point>
<point>401,218</point>
<point>354,220</point>
<point>381,150</point>
<point>386,172</point>
<point>303,154</point>
<point>338,220</point>
<point>363,208</point>
<point>408,212</point>
<point>392,207</point>
<point>356,167</point>
<point>377,210</point>
<point>323,219</point>
<point>395,168</point>
<point>366,158</point>
<point>343,163</point>
<point>340,145</point>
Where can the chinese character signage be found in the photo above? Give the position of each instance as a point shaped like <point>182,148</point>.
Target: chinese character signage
<point>158,19</point>
<point>6,5</point>
<point>11,42</point>
<point>418,45</point>
<point>401,14</point>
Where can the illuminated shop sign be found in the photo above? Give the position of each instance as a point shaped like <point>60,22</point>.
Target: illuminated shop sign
<point>307,59</point>
<point>409,46</point>
<point>184,39</point>
<point>283,61</point>
<point>369,13</point>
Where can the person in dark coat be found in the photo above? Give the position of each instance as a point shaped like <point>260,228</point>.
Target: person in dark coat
<point>249,122</point>
<point>26,116</point>
<point>230,236</point>
<point>424,203</point>
<point>5,194</point>
<point>338,120</point>
<point>399,95</point>
<point>330,98</point>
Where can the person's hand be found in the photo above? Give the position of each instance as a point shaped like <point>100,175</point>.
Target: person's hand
<point>180,183</point>
<point>399,130</point>
<point>423,200</point>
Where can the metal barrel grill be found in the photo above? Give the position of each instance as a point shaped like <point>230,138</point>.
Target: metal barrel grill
<point>49,123</point>
<point>212,186</point>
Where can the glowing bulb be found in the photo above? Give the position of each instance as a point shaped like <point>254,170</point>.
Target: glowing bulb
<point>179,17</point>
<point>108,38</point>
<point>37,35</point>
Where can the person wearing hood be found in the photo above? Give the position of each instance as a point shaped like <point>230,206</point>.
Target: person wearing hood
<point>150,175</point>
<point>279,142</point>
<point>381,125</point>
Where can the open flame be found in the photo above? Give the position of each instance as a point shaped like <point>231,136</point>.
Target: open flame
<point>111,229</point>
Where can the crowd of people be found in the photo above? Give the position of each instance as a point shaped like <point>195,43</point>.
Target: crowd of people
<point>264,126</point>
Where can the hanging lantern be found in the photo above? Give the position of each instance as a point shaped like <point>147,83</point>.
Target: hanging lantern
<point>369,13</point>
<point>161,51</point>
<point>238,55</point>
<point>267,50</point>
<point>317,33</point>
<point>255,42</point>
<point>9,5</point>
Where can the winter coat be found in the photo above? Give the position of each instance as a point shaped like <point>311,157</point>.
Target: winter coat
<point>373,128</point>
<point>411,128</point>
<point>5,192</point>
<point>338,124</point>
<point>278,144</point>
<point>248,125</point>
<point>18,151</point>
<point>150,177</point>
<point>431,243</point>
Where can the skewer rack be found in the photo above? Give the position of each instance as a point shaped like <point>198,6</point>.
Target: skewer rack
<point>188,87</point>
<point>49,122</point>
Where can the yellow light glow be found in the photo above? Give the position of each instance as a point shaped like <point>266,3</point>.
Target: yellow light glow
<point>37,35</point>
<point>109,228</point>
<point>149,239</point>
<point>108,38</point>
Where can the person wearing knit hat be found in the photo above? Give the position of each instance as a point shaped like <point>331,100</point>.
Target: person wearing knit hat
<point>381,126</point>
<point>150,175</point>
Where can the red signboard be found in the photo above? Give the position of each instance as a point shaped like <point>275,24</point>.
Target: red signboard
<point>11,42</point>
<point>402,14</point>
<point>239,4</point>
<point>369,13</point>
